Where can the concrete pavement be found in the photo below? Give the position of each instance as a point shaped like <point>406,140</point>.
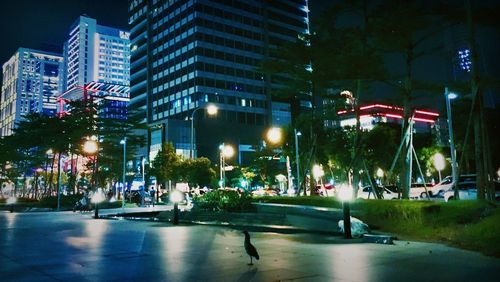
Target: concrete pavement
<point>73,246</point>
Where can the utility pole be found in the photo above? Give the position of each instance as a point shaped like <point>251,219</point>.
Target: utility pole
<point>479,127</point>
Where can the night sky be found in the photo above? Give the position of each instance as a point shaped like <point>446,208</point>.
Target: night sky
<point>44,24</point>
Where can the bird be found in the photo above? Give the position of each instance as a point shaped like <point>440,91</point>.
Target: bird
<point>249,248</point>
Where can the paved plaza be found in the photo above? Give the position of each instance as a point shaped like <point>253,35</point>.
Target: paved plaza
<point>66,246</point>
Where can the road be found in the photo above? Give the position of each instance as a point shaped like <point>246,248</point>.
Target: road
<point>66,246</point>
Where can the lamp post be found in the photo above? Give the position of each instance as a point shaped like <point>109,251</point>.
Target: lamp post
<point>380,174</point>
<point>439,163</point>
<point>96,199</point>
<point>211,110</point>
<point>274,135</point>
<point>226,151</point>
<point>176,197</point>
<point>11,201</point>
<point>49,152</point>
<point>454,176</point>
<point>124,143</point>
<point>59,181</point>
<point>90,147</point>
<point>345,195</point>
<point>297,134</point>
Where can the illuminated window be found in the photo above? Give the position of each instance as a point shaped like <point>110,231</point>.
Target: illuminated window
<point>464,59</point>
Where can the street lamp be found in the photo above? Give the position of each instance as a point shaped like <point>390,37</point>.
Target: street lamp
<point>124,143</point>
<point>211,110</point>
<point>439,163</point>
<point>175,197</point>
<point>380,174</point>
<point>48,153</point>
<point>90,147</point>
<point>297,134</point>
<point>274,135</point>
<point>11,201</point>
<point>244,184</point>
<point>449,96</point>
<point>96,199</point>
<point>59,181</point>
<point>345,194</point>
<point>318,172</point>
<point>226,151</point>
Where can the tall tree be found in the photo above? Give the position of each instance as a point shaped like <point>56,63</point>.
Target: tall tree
<point>165,165</point>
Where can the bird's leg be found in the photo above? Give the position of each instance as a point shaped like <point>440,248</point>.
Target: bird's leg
<point>251,263</point>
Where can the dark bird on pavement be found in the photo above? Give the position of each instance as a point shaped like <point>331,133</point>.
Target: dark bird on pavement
<point>249,248</point>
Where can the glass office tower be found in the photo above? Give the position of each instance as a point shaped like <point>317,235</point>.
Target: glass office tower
<point>186,54</point>
<point>32,79</point>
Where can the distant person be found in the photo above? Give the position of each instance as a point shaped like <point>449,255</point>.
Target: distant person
<point>142,194</point>
<point>152,193</point>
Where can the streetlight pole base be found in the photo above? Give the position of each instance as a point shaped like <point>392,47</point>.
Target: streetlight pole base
<point>96,212</point>
<point>176,214</point>
<point>347,220</point>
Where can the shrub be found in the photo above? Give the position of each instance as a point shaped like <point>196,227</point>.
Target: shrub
<point>67,201</point>
<point>223,200</point>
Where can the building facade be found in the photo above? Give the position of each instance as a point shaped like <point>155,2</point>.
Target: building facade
<point>32,79</point>
<point>97,66</point>
<point>373,114</point>
<point>96,53</point>
<point>186,54</point>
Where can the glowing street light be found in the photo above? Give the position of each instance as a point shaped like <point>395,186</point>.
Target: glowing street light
<point>454,168</point>
<point>11,201</point>
<point>124,143</point>
<point>274,135</point>
<point>318,171</point>
<point>96,199</point>
<point>211,110</point>
<point>226,151</point>
<point>244,184</point>
<point>90,147</point>
<point>439,163</point>
<point>345,194</point>
<point>175,197</point>
<point>296,135</point>
<point>380,175</point>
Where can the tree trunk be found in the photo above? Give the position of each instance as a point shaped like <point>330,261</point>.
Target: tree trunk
<point>407,148</point>
<point>356,154</point>
<point>59,173</point>
<point>481,163</point>
<point>51,178</point>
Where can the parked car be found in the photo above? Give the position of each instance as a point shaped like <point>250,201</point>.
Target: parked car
<point>417,190</point>
<point>446,183</point>
<point>367,193</point>
<point>265,192</point>
<point>468,191</point>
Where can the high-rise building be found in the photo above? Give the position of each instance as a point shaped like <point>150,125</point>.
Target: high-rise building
<point>31,81</point>
<point>186,54</point>
<point>96,53</point>
<point>97,64</point>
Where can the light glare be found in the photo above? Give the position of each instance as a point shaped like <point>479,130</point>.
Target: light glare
<point>274,135</point>
<point>439,161</point>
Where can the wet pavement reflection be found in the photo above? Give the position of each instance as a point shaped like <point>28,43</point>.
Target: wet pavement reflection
<point>70,246</point>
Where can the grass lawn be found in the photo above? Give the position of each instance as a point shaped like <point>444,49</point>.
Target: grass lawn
<point>473,225</point>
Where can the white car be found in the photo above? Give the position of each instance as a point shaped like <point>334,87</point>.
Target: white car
<point>417,190</point>
<point>366,193</point>
<point>445,184</point>
<point>468,191</point>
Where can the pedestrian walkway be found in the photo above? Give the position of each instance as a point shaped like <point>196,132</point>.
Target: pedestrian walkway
<point>66,246</point>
